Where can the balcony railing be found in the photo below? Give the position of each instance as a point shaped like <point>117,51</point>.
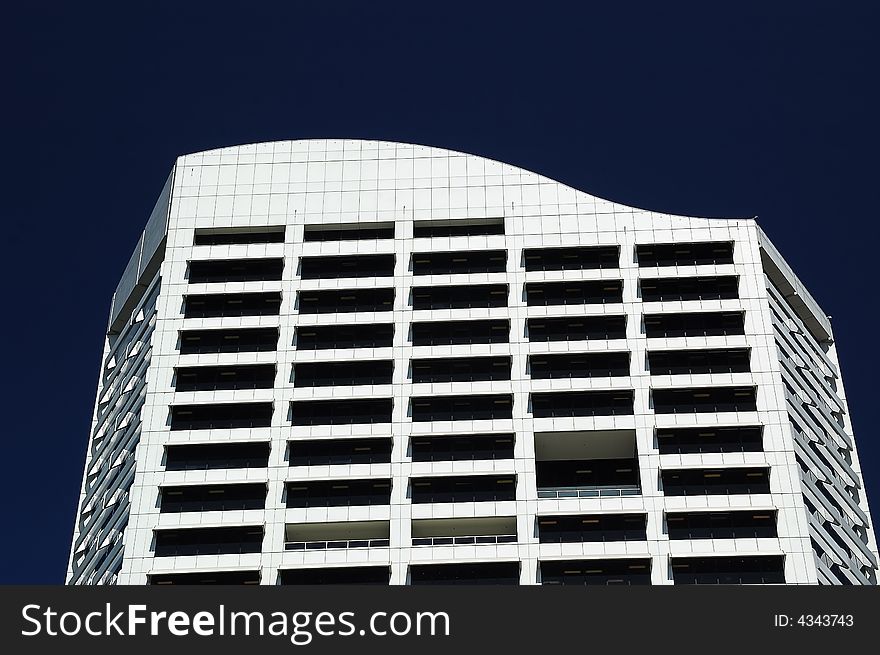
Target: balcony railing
<point>588,492</point>
<point>337,544</point>
<point>479,539</point>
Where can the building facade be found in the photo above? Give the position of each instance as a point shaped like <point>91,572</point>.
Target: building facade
<point>372,362</point>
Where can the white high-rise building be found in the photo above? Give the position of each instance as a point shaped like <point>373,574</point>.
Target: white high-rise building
<point>372,362</point>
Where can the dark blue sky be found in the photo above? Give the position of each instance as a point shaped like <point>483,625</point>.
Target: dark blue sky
<point>757,108</point>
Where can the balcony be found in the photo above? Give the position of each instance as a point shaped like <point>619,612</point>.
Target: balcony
<point>346,266</point>
<point>328,452</point>
<point>219,305</point>
<point>179,542</point>
<point>587,292</point>
<point>211,456</point>
<point>576,328</point>
<point>339,575</point>
<point>341,412</point>
<point>212,497</point>
<point>704,400</point>
<point>723,481</point>
<point>236,340</point>
<point>348,231</point>
<point>698,362</point>
<point>557,404</point>
<point>447,333</point>
<point>472,296</point>
<point>761,569</point>
<point>476,573</point>
<point>576,258</point>
<point>694,324</point>
<point>353,373</point>
<point>586,464</point>
<point>460,369</point>
<point>713,287</point>
<point>603,572</point>
<point>341,301</point>
<point>338,535</point>
<point>331,337</point>
<point>461,408</point>
<point>746,524</point>
<point>685,254</point>
<point>464,531</point>
<point>235,270</point>
<point>582,528</point>
<point>459,262</point>
<point>463,489</point>
<point>448,448</point>
<point>217,378</point>
<point>338,493</point>
<point>579,365</point>
<point>729,439</point>
<point>221,416</point>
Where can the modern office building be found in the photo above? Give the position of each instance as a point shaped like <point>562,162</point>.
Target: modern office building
<point>371,362</point>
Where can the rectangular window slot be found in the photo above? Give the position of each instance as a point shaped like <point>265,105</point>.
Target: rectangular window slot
<point>755,569</point>
<point>336,575</point>
<point>710,287</point>
<point>571,259</point>
<point>221,378</point>
<point>341,412</point>
<point>704,400</point>
<point>329,374</point>
<point>583,292</point>
<point>581,365</point>
<point>348,231</point>
<point>338,493</point>
<point>463,489</point>
<point>603,572</point>
<point>205,578</point>
<point>212,497</point>
<point>459,297</point>
<point>733,439</point>
<point>459,262</point>
<point>221,416</point>
<point>180,542</point>
<point>238,235</point>
<point>322,452</point>
<point>582,403</point>
<point>576,328</point>
<point>461,408</point>
<point>471,573</point>
<point>445,333</point>
<point>458,227</point>
<point>447,448</point>
<point>235,340</point>
<point>460,369</point>
<point>685,254</point>
<point>216,305</point>
<point>346,266</point>
<point>696,362</point>
<point>713,482</point>
<point>192,457</point>
<point>235,270</point>
<point>745,524</point>
<point>345,301</point>
<point>694,324</point>
<point>578,528</point>
<point>332,337</point>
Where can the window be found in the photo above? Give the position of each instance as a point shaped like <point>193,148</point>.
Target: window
<point>575,258</point>
<point>217,305</point>
<point>576,328</point>
<point>685,254</point>
<point>331,337</point>
<point>235,340</point>
<point>238,235</point>
<point>346,266</point>
<point>346,300</point>
<point>716,287</point>
<point>348,231</point>
<point>217,378</point>
<point>585,292</point>
<point>458,227</point>
<point>461,408</point>
<point>459,262</point>
<point>226,416</point>
<point>459,297</point>
<point>460,369</point>
<point>341,412</point>
<point>444,333</point>
<point>235,270</point>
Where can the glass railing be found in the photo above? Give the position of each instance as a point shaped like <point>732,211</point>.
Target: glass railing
<point>477,539</point>
<point>588,492</point>
<point>329,545</point>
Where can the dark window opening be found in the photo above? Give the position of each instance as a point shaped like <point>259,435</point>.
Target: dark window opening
<point>463,489</point>
<point>237,540</point>
<point>329,374</point>
<point>716,287</point>
<point>568,478</point>
<point>226,415</point>
<point>580,328</point>
<point>346,266</point>
<point>330,337</point>
<point>216,305</point>
<point>206,578</point>
<point>583,365</point>
<point>681,441</point>
<point>477,573</point>
<point>191,457</point>
<point>685,254</point>
<point>759,569</point>
<point>320,452</point>
<point>585,292</point>
<point>346,300</point>
<point>721,525</point>
<point>448,448</point>
<point>704,399</point>
<point>235,270</point>
<point>445,333</point>
<point>694,362</point>
<point>348,232</point>
<point>567,259</point>
<point>216,378</point>
<point>461,408</point>
<point>592,527</point>
<point>460,369</point>
<point>236,340</point>
<point>700,324</point>
<point>338,493</point>
<point>596,572</point>
<point>458,227</point>
<point>238,235</point>
<point>727,481</point>
<point>341,412</point>
<point>343,575</point>
<point>212,497</point>
<point>459,262</point>
<point>582,403</point>
<point>460,297</point>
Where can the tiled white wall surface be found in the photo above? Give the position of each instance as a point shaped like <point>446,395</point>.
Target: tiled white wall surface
<point>308,182</point>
